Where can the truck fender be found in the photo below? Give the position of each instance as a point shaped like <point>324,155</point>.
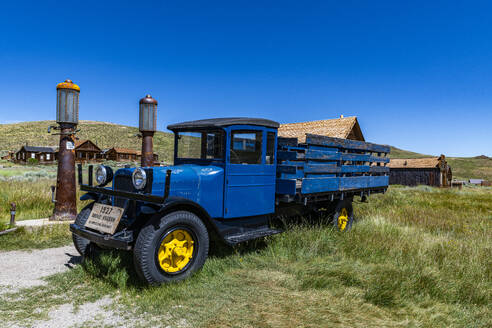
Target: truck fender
<point>178,203</point>
<point>94,196</point>
<point>88,196</point>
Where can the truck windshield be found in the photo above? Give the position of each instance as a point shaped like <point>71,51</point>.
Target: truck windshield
<point>200,145</point>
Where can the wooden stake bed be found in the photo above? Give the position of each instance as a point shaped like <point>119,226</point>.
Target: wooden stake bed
<point>324,165</point>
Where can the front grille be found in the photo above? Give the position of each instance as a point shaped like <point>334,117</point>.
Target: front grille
<point>124,183</point>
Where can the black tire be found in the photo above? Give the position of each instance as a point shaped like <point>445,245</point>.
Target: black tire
<point>145,253</point>
<point>81,244</point>
<point>343,211</point>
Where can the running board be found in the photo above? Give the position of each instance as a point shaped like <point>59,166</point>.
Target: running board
<point>250,235</point>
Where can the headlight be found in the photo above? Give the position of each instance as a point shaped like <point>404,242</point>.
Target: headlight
<point>139,178</point>
<point>104,174</point>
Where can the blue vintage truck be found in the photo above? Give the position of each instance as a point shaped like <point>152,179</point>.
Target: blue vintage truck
<point>230,177</point>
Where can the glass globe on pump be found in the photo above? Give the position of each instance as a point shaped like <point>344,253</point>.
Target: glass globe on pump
<point>67,103</point>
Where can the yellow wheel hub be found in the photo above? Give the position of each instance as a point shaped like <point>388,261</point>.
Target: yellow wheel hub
<point>343,219</point>
<point>176,251</point>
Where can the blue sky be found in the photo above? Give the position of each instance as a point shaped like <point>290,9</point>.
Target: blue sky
<point>418,75</point>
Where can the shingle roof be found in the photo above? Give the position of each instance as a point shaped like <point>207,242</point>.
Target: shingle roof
<point>345,127</point>
<point>127,151</point>
<point>79,143</point>
<point>35,149</point>
<point>416,163</point>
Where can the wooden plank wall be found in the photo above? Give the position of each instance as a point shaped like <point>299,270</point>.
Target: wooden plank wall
<point>415,176</point>
<point>324,164</point>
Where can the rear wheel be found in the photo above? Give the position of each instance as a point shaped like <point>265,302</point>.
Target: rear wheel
<point>171,248</point>
<point>343,217</point>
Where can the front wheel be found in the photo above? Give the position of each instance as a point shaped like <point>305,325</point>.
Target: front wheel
<point>343,218</point>
<point>171,248</point>
<point>81,244</point>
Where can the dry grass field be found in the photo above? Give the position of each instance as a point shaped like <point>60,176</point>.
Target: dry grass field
<point>416,257</point>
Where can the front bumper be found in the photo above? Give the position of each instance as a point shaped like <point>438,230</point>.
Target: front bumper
<point>121,240</point>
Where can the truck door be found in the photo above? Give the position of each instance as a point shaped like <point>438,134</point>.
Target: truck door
<point>250,171</point>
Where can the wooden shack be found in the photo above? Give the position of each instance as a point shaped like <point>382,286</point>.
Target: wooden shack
<point>122,155</point>
<point>87,151</point>
<point>41,154</point>
<point>343,127</point>
<point>432,171</point>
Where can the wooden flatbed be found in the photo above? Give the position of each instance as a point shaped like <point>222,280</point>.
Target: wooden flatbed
<point>325,167</point>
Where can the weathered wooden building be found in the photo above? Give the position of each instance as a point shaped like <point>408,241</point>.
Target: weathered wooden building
<point>124,155</point>
<point>343,127</point>
<point>40,154</point>
<point>87,151</point>
<point>433,171</point>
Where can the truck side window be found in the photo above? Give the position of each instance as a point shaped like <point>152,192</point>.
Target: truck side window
<point>201,145</point>
<point>246,147</point>
<point>270,148</point>
<point>189,144</point>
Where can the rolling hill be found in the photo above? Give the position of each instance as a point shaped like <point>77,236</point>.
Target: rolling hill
<point>400,153</point>
<point>107,135</point>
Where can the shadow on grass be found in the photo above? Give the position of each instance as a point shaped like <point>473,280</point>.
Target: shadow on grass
<point>113,267</point>
<point>116,268</point>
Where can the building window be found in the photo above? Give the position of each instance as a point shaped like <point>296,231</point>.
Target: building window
<point>48,157</point>
<point>33,155</point>
<point>270,151</point>
<point>246,147</point>
<point>41,157</point>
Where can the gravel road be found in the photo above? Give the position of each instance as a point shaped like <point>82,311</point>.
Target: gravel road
<point>21,269</point>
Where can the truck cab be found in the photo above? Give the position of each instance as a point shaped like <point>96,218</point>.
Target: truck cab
<point>240,153</point>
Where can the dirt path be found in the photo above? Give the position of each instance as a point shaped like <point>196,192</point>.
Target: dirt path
<point>21,269</point>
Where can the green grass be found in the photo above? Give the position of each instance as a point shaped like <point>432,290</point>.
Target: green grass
<point>33,199</point>
<point>43,237</point>
<point>32,196</point>
<point>416,257</point>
